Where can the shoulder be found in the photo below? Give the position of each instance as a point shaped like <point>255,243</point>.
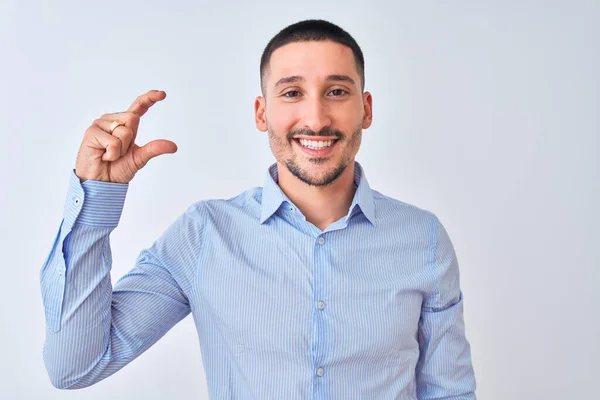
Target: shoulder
<point>394,209</point>
<point>248,201</point>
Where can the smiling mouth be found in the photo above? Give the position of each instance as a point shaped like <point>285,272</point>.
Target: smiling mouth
<point>315,144</point>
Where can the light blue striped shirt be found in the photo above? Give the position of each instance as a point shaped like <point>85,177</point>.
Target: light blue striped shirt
<point>369,308</point>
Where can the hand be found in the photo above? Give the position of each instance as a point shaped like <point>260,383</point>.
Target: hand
<point>115,157</point>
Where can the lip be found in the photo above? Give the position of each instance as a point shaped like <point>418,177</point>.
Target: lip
<point>316,138</point>
<point>315,153</point>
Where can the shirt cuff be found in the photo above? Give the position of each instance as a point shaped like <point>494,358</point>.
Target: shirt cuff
<point>94,203</point>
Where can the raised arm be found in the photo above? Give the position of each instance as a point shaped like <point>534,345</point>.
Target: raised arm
<point>93,330</point>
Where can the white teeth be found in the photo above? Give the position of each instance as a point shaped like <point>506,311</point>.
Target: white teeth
<point>316,144</point>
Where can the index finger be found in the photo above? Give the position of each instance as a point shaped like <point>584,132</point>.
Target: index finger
<point>145,101</point>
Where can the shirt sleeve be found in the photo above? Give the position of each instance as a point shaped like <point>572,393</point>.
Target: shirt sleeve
<point>93,330</point>
<point>444,370</point>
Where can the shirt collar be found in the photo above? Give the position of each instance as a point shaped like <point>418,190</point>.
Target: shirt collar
<point>273,196</point>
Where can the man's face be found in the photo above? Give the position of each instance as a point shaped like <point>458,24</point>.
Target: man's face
<point>314,109</point>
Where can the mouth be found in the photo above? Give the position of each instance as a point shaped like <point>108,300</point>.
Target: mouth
<point>316,148</point>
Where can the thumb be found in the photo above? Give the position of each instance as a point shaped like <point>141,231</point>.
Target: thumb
<point>142,155</point>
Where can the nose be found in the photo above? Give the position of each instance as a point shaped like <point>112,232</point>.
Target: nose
<point>316,115</point>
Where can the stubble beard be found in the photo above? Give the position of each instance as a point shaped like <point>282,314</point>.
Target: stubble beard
<point>279,145</point>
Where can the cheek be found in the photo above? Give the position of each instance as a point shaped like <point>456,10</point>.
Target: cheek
<point>281,117</point>
<point>347,115</point>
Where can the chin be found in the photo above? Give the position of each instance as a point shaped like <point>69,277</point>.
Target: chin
<point>315,175</point>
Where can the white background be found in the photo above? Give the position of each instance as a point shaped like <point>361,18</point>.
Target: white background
<point>486,113</point>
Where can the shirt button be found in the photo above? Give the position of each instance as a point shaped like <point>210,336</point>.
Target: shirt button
<point>321,305</point>
<point>292,209</point>
<point>60,270</point>
<point>321,240</point>
<point>320,372</point>
<point>77,201</point>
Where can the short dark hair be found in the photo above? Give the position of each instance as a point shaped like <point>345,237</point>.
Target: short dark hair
<point>312,30</point>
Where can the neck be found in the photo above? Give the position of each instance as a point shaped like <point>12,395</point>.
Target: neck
<point>321,205</point>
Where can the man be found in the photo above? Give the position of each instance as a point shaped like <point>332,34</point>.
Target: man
<point>313,286</point>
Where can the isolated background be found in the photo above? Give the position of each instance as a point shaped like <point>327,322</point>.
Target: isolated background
<point>486,113</point>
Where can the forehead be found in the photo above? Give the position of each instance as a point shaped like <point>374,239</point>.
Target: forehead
<point>312,59</point>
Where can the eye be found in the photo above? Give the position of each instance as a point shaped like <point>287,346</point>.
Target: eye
<point>291,91</point>
<point>340,92</point>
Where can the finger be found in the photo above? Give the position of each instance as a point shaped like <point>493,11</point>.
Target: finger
<point>143,154</point>
<point>123,132</point>
<point>128,117</point>
<point>145,101</point>
<point>110,144</point>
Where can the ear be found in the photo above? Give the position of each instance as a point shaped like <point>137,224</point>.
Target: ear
<point>368,109</point>
<point>260,116</point>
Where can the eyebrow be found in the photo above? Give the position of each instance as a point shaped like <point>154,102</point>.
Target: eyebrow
<point>297,78</point>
